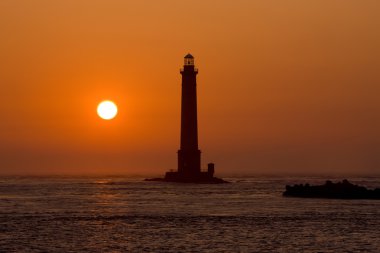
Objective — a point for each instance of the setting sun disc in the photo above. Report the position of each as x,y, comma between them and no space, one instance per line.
107,110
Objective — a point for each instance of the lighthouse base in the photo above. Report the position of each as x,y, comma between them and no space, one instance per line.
199,178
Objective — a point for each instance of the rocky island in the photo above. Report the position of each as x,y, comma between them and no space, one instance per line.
340,190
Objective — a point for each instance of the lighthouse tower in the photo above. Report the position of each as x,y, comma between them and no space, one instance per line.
189,156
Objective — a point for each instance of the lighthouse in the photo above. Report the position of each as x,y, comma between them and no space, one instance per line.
189,155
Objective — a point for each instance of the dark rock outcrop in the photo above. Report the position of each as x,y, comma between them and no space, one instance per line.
340,190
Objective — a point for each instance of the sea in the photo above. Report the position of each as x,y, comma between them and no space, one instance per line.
124,214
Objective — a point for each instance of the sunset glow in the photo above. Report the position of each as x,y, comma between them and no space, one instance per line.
283,86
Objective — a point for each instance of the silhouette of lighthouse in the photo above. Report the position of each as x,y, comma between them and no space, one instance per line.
189,156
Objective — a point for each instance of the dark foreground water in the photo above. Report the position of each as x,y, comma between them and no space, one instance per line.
60,214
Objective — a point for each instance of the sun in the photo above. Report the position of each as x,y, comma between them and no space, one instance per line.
107,110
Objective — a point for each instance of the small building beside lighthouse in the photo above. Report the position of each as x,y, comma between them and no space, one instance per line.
189,155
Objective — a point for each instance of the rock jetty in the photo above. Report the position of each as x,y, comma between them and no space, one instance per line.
340,190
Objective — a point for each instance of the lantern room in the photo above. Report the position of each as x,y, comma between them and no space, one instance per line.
189,60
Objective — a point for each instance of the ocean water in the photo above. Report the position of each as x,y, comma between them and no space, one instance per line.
116,214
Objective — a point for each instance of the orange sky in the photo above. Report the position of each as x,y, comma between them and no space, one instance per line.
283,86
